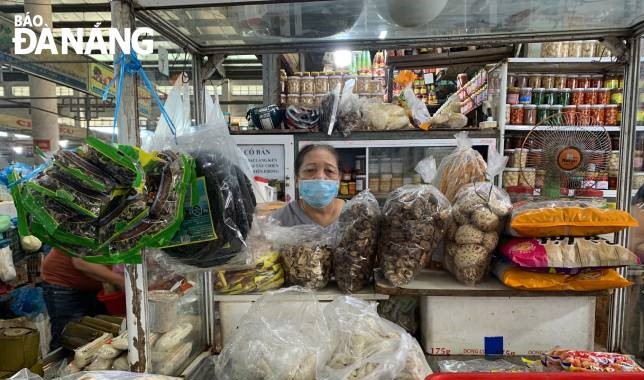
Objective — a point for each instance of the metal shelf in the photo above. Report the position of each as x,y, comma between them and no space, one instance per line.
587,64
593,128
562,60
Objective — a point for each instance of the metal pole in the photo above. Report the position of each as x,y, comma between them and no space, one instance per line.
270,78
135,275
198,88
626,148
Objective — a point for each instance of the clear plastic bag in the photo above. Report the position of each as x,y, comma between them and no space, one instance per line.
478,217
177,105
114,375
401,310
329,110
414,222
418,109
349,117
366,346
357,238
25,374
384,116
7,269
464,165
27,302
280,338
306,254
480,365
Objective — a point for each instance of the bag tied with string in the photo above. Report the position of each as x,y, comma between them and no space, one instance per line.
464,165
477,219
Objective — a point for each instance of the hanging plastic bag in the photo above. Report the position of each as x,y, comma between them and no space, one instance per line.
329,110
27,302
7,269
414,106
464,165
477,219
355,253
306,253
279,338
25,374
349,117
177,105
366,346
414,221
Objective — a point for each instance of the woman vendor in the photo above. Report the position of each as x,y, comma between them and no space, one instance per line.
317,175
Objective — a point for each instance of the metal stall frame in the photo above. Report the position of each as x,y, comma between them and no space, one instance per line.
124,10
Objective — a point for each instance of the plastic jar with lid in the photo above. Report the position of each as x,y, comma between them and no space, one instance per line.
575,49
522,80
552,49
293,85
512,80
361,182
610,114
564,96
560,80
538,96
293,100
363,83
549,96
588,48
611,81
510,177
593,196
529,114
516,114
571,81
385,183
569,114
583,81
597,81
555,114
548,81
334,81
577,96
513,95
603,96
534,80
525,95
527,177
617,96
306,85
542,112
583,114
321,83
597,114
520,193
307,100
318,99
376,87
590,96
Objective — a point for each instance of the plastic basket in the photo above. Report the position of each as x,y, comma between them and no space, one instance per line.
537,376
114,302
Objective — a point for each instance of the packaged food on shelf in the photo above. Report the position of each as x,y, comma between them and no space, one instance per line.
571,81
511,177
552,50
617,96
306,85
464,165
588,48
266,274
529,114
549,96
527,177
538,96
603,96
577,96
293,85
554,113
355,253
548,81
585,361
590,96
307,100
584,115
575,49
525,95
517,278
564,97
163,310
519,193
334,81
512,80
520,158
513,95
473,231
561,255
584,81
321,83
542,112
522,80
570,114
566,218
597,81
534,80
516,114
610,114
611,81
414,220
597,114
560,81
293,99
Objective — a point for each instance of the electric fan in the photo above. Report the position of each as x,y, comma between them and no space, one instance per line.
563,154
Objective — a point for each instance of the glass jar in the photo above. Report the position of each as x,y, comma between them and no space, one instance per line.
306,85
374,166
611,81
577,96
307,100
321,83
597,81
374,183
525,95
376,87
529,114
361,182
583,81
583,114
603,96
519,193
538,96
548,81
597,114
318,99
588,48
569,114
590,96
520,158
513,95
510,177
293,100
552,49
534,80
560,80
571,81
522,80
555,115
617,96
565,46
542,112
610,114
363,83
564,96
334,81
549,96
512,80
385,183
293,85
575,49
516,114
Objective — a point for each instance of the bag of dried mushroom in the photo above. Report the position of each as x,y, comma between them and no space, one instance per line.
306,253
414,219
357,237
477,219
464,165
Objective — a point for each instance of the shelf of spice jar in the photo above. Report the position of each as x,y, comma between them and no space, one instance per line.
594,128
562,60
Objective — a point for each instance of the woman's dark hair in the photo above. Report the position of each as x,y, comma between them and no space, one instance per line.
299,160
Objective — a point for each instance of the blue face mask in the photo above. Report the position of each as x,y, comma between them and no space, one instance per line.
318,193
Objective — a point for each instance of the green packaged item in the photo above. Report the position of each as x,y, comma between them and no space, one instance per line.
538,96
121,166
86,202
5,223
87,175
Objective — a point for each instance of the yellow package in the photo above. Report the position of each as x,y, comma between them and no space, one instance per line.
565,218
602,279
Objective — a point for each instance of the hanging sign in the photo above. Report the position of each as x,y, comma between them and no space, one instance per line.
266,160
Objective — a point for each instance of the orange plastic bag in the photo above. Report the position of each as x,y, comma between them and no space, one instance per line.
567,218
589,281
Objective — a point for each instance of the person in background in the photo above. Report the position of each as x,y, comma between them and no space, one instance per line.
317,175
70,286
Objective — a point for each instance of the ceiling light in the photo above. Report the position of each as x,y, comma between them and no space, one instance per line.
21,137
3,134
18,149
382,35
342,58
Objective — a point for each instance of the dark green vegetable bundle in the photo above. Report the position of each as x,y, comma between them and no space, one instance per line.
104,202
